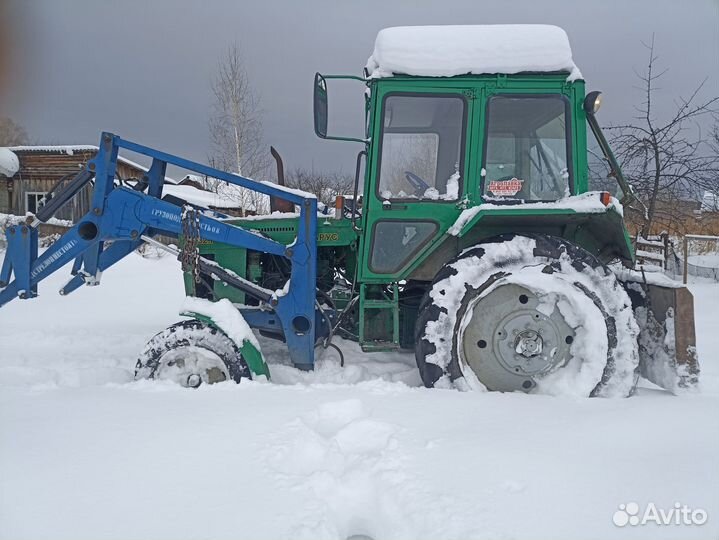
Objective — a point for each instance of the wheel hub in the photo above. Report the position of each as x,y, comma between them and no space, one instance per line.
507,341
528,343
192,366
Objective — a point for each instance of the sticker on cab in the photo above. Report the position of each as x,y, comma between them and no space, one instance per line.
505,188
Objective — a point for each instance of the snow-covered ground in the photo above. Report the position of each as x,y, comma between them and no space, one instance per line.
85,453
710,260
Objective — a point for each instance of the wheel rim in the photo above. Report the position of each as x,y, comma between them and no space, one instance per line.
191,366
509,338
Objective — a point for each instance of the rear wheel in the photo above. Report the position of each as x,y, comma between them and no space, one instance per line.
192,353
521,313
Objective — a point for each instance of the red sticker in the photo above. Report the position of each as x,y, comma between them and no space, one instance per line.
503,188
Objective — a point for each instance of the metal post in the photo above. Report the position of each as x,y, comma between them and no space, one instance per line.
686,259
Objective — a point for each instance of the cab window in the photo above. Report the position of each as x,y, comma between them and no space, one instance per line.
422,146
526,148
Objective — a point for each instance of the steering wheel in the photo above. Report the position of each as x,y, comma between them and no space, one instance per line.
419,185
351,205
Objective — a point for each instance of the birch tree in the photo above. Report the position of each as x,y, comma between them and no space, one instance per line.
236,130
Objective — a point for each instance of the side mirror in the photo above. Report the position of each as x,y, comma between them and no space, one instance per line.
320,106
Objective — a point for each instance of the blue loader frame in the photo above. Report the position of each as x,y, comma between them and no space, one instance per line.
123,216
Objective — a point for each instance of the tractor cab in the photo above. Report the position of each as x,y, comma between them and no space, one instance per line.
471,132
506,124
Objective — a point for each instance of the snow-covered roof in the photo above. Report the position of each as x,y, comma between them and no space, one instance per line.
446,51
199,197
70,150
192,178
9,164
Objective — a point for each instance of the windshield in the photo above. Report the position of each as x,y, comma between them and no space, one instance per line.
422,139
526,148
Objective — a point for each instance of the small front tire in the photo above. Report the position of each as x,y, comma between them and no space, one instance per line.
192,353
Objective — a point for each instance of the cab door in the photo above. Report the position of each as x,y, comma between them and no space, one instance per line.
418,176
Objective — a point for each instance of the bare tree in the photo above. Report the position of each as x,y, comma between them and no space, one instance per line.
667,162
12,133
324,185
236,130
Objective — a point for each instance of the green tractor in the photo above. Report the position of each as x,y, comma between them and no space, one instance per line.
479,234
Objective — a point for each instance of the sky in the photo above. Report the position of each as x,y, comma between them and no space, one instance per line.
70,69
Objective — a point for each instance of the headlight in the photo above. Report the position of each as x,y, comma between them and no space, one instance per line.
592,102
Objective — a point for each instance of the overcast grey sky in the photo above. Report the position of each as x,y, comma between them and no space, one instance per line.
142,68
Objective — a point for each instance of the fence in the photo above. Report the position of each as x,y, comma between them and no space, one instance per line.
679,266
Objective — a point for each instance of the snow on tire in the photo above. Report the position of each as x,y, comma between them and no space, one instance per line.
192,353
530,313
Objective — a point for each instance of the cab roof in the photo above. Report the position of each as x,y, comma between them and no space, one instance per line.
446,51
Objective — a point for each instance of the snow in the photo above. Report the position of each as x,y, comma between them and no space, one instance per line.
272,215
431,193
645,242
588,203
226,316
198,197
446,51
708,259
590,347
652,255
9,163
653,275
294,191
87,453
70,150
8,219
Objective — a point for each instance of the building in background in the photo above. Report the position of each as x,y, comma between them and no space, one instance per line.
28,173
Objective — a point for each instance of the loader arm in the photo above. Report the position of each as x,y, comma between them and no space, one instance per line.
120,217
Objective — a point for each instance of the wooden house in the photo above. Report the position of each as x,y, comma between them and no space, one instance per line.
28,173
40,168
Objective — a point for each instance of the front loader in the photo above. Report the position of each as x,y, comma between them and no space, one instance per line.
479,235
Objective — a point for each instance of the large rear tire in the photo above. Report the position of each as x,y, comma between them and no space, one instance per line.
192,353
528,313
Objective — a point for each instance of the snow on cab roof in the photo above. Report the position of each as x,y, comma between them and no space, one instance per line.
446,51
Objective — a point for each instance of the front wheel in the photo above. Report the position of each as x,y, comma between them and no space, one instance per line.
531,314
192,353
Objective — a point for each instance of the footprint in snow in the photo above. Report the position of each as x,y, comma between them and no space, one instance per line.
358,475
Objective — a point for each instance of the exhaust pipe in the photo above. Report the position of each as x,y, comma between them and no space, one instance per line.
280,205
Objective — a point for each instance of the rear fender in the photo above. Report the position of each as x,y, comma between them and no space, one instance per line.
667,337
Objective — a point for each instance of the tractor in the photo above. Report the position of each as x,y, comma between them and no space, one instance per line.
479,235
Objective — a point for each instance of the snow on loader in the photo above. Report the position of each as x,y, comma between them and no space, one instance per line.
476,242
